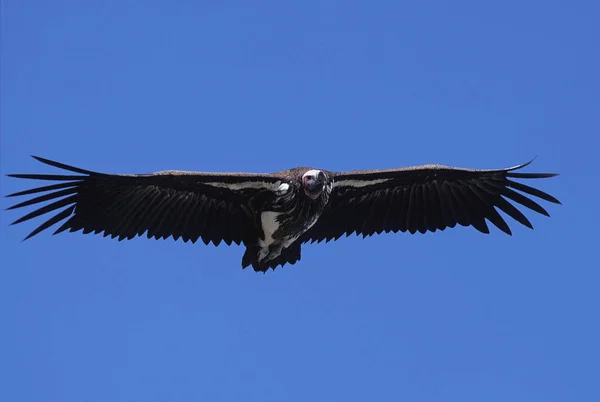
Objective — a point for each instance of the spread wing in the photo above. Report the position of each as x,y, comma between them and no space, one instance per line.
187,205
426,198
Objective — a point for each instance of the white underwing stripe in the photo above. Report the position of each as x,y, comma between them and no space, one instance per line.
359,183
245,185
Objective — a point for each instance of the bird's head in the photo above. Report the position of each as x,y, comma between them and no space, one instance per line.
313,183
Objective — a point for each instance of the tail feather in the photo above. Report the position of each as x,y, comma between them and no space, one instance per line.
289,255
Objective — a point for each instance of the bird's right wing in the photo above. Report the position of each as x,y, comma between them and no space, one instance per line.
190,205
425,198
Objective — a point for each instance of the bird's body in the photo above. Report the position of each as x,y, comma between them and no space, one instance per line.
273,214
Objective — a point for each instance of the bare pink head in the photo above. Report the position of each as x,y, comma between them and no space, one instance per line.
313,183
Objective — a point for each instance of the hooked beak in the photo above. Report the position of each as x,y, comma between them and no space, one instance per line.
314,185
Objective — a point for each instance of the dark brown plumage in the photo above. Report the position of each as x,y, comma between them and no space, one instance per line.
273,214
427,198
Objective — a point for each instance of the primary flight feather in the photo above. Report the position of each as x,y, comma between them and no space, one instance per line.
274,214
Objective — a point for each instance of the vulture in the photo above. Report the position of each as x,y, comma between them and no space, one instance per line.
273,214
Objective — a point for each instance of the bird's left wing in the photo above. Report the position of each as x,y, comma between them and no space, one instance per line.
190,205
425,198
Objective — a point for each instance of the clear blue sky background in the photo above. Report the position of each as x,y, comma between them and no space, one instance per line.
140,86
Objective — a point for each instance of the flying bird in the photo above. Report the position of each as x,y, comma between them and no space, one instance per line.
273,214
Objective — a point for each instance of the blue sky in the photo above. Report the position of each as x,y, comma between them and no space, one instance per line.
135,87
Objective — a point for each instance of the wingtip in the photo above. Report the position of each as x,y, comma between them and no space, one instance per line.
42,160
522,165
60,165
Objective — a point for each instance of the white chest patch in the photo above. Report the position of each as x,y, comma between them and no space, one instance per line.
268,220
